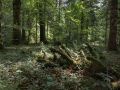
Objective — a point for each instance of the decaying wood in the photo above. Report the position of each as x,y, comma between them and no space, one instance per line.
96,61
92,51
96,65
66,50
63,54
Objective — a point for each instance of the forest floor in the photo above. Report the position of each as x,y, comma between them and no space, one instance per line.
113,59
19,70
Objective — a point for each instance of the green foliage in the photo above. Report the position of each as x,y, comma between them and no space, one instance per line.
73,23
78,20
24,72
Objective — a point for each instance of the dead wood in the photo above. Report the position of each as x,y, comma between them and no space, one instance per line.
63,54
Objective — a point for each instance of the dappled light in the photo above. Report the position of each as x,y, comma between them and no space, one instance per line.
59,45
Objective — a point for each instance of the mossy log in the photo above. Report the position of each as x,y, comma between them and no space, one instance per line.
96,66
91,50
66,50
63,54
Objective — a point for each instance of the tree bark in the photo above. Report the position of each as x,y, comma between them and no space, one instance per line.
42,31
29,24
0,15
23,28
106,26
36,34
1,41
112,43
42,22
16,22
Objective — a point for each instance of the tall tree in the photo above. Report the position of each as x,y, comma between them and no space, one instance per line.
42,10
29,25
36,34
16,22
0,14
23,36
1,42
112,43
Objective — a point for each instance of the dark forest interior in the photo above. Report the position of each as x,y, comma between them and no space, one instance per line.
59,44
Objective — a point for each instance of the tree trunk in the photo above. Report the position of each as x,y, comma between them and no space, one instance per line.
16,22
42,31
0,15
1,41
36,34
42,23
112,43
29,24
23,28
106,26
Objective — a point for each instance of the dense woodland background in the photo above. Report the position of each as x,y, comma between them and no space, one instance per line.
68,21
60,44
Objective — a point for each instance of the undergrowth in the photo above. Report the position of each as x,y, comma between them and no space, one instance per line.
20,70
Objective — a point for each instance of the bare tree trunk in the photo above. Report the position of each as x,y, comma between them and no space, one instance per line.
42,31
29,24
87,26
36,36
0,15
16,22
47,29
23,28
1,41
106,26
112,43
42,22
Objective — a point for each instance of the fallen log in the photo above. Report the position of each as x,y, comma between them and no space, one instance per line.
96,61
98,67
66,50
91,51
63,54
